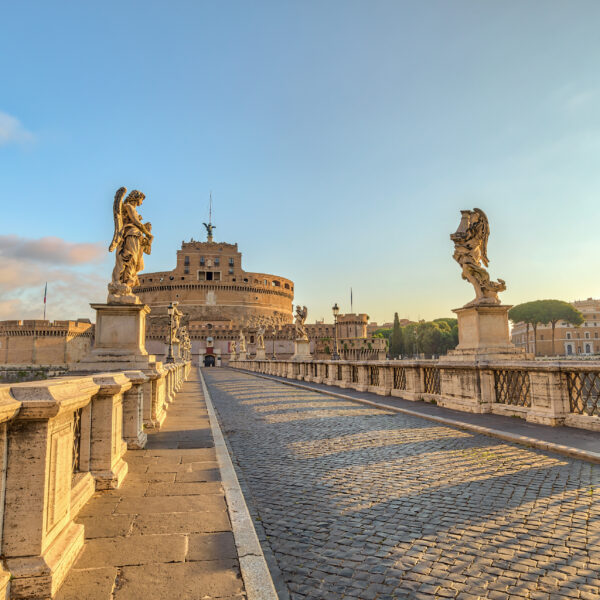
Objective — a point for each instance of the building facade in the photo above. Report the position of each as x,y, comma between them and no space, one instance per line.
568,339
217,296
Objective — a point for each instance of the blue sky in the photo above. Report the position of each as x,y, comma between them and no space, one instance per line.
340,139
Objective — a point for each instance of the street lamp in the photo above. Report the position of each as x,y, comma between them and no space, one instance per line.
336,310
274,334
171,312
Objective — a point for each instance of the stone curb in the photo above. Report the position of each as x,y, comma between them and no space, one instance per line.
255,573
497,433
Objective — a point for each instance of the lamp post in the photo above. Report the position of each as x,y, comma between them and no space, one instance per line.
171,312
336,310
274,333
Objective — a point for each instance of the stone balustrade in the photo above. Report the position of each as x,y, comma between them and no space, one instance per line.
61,440
549,392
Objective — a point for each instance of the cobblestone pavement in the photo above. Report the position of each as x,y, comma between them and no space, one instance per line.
364,503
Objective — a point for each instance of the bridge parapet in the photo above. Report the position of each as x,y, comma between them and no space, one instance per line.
61,440
549,393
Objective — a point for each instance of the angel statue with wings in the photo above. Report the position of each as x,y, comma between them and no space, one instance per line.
260,335
242,342
470,252
301,314
131,240
209,231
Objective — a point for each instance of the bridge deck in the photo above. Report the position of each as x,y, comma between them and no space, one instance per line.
360,502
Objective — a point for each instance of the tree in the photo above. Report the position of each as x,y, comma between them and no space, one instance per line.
544,311
396,339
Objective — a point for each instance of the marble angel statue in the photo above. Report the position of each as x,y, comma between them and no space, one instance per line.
131,240
300,329
470,252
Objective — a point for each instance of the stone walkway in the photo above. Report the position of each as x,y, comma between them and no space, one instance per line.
166,533
359,502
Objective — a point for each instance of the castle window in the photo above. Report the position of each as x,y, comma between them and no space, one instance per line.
265,281
587,335
231,262
568,336
245,279
186,260
231,271
217,261
202,261
186,270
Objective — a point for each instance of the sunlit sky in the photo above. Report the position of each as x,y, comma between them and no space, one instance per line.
340,140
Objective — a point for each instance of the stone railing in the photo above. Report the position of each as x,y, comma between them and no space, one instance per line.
550,393
61,440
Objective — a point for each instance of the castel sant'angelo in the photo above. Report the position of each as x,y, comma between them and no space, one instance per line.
215,294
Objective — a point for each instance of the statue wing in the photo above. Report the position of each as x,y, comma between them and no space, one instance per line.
118,218
485,234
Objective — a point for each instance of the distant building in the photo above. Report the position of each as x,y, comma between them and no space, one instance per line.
217,298
568,340
39,342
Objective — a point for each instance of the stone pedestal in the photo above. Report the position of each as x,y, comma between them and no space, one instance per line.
242,355
483,335
260,354
301,350
120,338
177,351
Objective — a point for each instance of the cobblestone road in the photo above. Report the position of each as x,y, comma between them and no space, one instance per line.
361,503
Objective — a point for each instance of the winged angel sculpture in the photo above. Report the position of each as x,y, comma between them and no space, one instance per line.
470,252
131,240
301,314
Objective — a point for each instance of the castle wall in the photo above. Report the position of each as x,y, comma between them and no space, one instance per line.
44,342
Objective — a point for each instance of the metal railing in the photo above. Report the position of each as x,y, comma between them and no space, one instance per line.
399,378
584,392
512,387
431,377
374,375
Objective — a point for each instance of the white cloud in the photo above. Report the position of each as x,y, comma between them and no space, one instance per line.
71,270
12,131
52,250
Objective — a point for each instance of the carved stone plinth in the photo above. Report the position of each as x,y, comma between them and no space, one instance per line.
242,355
301,350
483,335
260,354
120,338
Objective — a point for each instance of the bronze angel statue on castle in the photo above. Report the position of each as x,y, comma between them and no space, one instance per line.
470,252
131,240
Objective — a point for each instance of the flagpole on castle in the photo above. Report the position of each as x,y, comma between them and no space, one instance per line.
45,294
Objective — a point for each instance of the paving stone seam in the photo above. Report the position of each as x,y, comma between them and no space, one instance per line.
523,440
255,572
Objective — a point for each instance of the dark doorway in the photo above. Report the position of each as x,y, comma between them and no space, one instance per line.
209,360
